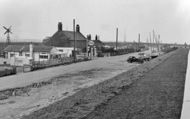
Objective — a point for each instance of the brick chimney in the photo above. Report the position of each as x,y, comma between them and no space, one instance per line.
96,37
59,26
89,37
77,28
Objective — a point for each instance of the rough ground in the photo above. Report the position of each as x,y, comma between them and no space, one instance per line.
26,92
158,95
128,94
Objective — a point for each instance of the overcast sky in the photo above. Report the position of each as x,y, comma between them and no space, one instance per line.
36,19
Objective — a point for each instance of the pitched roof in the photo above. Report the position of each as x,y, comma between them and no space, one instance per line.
13,48
79,36
68,35
25,48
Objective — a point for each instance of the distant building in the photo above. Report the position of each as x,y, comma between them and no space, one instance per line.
62,51
3,45
64,38
24,54
98,43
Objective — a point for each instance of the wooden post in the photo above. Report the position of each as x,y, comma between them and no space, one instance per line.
74,35
139,38
116,38
153,38
150,42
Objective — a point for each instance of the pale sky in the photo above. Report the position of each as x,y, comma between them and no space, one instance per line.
35,19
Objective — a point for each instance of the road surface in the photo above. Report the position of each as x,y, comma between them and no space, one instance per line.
64,81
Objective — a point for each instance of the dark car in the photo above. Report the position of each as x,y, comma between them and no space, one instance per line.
132,59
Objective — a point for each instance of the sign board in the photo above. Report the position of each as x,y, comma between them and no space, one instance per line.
90,43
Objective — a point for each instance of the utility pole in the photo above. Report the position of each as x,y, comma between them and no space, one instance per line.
74,35
150,42
139,40
158,42
116,38
153,38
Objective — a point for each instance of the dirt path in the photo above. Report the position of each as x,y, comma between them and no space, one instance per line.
117,63
34,90
158,95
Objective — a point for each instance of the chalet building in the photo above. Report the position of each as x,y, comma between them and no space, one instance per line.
20,55
64,38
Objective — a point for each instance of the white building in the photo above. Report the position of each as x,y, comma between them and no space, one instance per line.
20,55
62,51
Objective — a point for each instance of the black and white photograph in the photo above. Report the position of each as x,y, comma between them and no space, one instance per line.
94,59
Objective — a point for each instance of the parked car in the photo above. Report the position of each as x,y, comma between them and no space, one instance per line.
132,59
154,55
145,57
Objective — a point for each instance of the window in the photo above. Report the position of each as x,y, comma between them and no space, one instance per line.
27,55
43,56
60,50
12,55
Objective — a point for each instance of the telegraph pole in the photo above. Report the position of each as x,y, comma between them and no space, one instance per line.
116,38
150,42
153,38
74,34
159,42
139,40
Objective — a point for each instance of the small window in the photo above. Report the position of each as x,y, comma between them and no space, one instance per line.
43,56
12,55
27,55
61,50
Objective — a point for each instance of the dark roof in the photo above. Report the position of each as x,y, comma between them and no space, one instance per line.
3,45
98,43
25,48
68,35
79,36
65,39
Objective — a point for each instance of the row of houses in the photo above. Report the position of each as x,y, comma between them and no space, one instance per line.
59,45
20,55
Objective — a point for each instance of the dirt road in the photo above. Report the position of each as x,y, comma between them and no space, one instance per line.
116,63
158,95
56,83
124,94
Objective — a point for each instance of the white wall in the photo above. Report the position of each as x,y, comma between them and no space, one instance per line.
64,51
20,60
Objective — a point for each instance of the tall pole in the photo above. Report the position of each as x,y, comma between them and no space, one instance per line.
159,42
139,40
8,38
116,38
74,35
156,41
153,38
150,42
